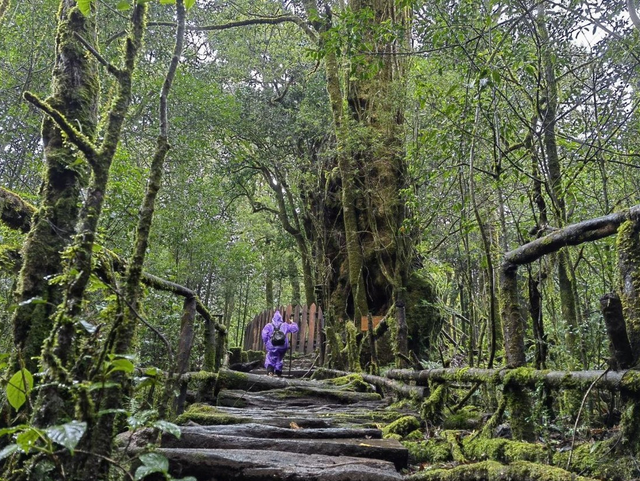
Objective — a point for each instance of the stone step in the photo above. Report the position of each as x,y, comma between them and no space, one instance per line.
384,449
259,465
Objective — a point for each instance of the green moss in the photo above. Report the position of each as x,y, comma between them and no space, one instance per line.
255,355
431,408
466,418
504,450
600,461
392,436
494,471
402,426
631,381
415,435
230,378
628,247
208,416
431,451
401,404
352,382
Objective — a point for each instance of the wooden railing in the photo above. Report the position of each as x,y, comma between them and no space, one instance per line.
306,340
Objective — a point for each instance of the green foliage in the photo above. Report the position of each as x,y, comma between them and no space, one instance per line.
29,438
156,463
18,388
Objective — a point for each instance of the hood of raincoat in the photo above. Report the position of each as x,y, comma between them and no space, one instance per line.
277,319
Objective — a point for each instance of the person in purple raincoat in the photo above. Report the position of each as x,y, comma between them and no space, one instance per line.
275,354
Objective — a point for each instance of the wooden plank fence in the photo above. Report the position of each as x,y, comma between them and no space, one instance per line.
309,319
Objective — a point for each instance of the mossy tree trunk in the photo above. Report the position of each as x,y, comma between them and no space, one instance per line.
75,91
369,251
628,245
621,353
124,330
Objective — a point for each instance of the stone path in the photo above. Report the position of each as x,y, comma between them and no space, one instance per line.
297,430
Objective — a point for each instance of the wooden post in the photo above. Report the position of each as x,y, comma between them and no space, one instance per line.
322,336
372,343
209,346
304,330
184,348
312,328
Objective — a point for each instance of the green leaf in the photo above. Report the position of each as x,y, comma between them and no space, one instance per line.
142,382
167,427
27,438
123,5
13,429
151,371
121,365
143,471
155,461
90,328
68,434
188,478
18,388
189,3
9,450
167,2
141,418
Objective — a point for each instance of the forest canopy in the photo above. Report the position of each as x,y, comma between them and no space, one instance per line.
180,159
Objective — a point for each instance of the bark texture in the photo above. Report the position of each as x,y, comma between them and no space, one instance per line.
75,90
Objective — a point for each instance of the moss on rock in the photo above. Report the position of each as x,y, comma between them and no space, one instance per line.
469,417
208,416
494,471
504,450
597,460
432,451
402,426
352,382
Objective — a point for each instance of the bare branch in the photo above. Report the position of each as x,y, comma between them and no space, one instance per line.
110,67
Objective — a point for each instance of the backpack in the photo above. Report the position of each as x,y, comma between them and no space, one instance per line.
278,337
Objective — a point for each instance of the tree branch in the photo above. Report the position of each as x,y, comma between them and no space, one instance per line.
633,13
80,140
110,67
574,234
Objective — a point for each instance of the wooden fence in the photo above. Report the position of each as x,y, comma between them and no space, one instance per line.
306,340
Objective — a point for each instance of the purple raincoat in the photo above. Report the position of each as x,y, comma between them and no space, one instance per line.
275,355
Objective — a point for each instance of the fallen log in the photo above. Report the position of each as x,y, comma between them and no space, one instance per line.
228,379
303,396
253,465
381,382
613,380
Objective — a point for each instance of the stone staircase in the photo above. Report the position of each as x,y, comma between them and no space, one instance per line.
285,429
